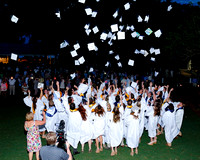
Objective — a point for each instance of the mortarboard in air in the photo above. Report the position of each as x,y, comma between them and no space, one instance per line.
119,64
110,42
109,34
142,51
87,26
96,49
14,19
111,52
95,29
81,1
140,19
40,85
136,51
117,57
120,35
156,74
77,63
91,46
169,8
58,14
127,6
121,27
153,59
134,34
107,64
132,28
128,28
114,27
73,75
88,11
157,51
148,31
74,53
94,14
141,37
82,88
64,44
146,19
152,50
131,62
158,33
120,19
133,84
81,60
145,53
91,69
116,13
76,46
13,56
88,31
103,36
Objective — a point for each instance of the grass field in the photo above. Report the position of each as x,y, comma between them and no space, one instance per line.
13,138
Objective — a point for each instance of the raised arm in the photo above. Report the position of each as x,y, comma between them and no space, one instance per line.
37,123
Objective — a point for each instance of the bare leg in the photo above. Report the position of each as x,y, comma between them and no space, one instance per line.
132,153
112,152
90,144
155,140
30,155
97,145
151,141
136,150
101,143
82,147
116,150
37,155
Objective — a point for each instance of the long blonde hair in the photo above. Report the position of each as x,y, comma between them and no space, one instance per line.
116,114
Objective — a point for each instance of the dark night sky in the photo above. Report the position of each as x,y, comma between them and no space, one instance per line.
38,19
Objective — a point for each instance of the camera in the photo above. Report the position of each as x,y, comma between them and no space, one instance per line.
61,139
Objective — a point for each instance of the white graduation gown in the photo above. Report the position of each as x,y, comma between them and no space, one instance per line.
115,131
133,132
51,119
171,129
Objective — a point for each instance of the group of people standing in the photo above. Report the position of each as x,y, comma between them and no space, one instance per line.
110,114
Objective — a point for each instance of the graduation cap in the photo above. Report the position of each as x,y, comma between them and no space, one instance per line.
140,19
120,35
58,14
14,19
131,62
127,6
76,46
117,57
73,75
88,11
103,36
40,85
107,64
88,31
95,29
91,46
64,44
169,8
77,63
156,74
158,33
116,13
114,27
81,1
153,59
94,14
74,53
152,50
148,31
146,19
91,69
157,51
81,60
13,56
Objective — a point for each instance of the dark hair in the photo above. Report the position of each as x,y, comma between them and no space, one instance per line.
157,106
99,110
132,96
34,103
117,98
82,111
51,103
72,106
129,102
70,99
116,115
170,108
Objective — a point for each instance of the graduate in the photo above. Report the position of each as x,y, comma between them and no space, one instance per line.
115,130
74,127
153,113
51,117
98,118
170,127
133,132
179,116
86,131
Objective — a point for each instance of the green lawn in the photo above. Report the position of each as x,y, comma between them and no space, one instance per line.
13,139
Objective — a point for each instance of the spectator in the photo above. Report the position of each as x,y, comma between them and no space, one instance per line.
12,85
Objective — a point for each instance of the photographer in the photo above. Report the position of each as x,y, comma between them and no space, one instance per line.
52,152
